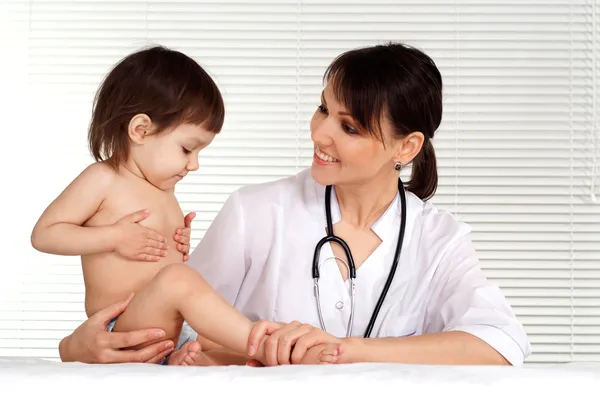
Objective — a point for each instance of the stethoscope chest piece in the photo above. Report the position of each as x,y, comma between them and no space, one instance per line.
352,296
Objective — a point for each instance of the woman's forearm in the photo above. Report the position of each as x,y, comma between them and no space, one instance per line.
447,348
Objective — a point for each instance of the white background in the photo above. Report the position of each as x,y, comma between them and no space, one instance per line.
518,147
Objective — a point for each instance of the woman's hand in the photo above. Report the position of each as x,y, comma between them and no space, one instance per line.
182,236
91,343
287,344
136,242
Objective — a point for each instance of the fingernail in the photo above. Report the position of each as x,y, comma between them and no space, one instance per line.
169,345
159,333
251,350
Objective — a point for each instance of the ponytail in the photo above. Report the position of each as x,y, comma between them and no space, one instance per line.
424,179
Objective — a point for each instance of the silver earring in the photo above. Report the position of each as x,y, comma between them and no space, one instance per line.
398,166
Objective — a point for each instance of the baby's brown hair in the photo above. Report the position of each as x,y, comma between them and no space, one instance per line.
168,86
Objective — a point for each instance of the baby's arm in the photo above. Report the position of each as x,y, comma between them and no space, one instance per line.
59,230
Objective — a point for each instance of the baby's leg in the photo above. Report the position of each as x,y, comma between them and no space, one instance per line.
179,293
151,307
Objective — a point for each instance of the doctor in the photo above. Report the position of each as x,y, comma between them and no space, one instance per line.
378,113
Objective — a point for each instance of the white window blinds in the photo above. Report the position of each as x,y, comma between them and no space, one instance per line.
518,147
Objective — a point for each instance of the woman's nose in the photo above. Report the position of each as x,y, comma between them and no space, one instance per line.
320,133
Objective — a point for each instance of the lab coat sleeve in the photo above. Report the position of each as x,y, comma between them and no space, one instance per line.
220,255
463,299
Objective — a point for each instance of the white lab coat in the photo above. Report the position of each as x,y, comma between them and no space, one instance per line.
258,255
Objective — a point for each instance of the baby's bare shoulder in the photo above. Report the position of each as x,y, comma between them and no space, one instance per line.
100,173
93,182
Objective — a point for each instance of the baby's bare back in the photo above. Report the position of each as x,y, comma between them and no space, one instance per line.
110,277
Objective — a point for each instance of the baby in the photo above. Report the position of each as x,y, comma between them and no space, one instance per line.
152,115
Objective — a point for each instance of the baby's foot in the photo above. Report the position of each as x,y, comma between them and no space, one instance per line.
323,354
187,355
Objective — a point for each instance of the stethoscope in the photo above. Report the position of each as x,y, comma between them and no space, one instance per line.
350,263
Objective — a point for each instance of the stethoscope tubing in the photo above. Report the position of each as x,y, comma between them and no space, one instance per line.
330,237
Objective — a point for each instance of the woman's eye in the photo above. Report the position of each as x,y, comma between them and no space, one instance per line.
349,129
323,109
186,151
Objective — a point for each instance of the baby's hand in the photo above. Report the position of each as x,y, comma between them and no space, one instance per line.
136,242
182,235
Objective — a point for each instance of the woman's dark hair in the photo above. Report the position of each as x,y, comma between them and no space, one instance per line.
168,86
402,83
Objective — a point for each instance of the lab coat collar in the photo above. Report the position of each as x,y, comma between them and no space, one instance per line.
384,227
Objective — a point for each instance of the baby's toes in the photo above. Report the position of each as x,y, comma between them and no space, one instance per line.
192,358
177,357
186,355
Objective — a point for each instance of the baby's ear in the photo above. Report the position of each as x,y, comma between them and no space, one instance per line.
139,128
